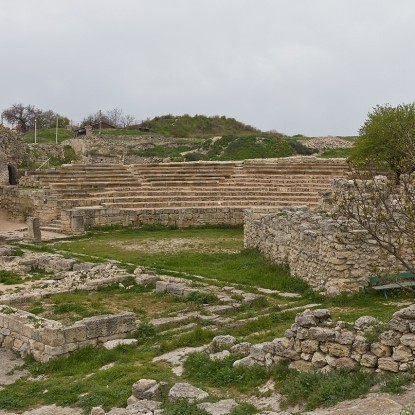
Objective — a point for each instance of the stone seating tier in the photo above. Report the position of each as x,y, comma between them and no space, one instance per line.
241,184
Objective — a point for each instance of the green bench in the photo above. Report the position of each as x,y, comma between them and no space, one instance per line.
399,280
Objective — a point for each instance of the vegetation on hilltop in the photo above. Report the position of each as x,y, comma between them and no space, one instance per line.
197,126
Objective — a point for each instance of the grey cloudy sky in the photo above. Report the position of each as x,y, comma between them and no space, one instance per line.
313,67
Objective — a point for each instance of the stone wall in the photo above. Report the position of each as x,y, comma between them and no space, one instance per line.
26,333
29,202
316,341
75,220
310,244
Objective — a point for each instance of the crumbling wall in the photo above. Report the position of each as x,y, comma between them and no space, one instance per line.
26,333
311,244
317,341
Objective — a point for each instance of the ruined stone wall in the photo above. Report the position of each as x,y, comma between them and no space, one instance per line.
26,333
309,243
21,203
316,341
75,220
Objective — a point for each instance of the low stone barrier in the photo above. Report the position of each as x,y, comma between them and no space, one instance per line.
316,341
75,220
26,333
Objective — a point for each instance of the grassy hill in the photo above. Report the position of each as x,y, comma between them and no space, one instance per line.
197,126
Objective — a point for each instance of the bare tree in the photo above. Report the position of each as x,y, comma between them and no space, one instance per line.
21,115
381,211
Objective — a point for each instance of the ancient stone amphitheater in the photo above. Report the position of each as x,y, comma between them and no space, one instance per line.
178,194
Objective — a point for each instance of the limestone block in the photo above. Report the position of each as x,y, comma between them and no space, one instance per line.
364,323
309,346
112,344
244,362
407,313
53,337
408,340
339,350
344,337
142,386
75,333
222,342
108,325
60,350
388,364
188,392
322,334
175,289
345,362
301,366
319,360
390,338
360,344
369,360
399,324
402,354
241,348
157,392
305,319
302,333
161,286
381,350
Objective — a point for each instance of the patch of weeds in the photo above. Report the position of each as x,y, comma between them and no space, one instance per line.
315,389
244,409
200,297
36,310
406,411
144,332
37,322
373,332
198,367
10,278
394,382
183,407
7,310
63,308
197,337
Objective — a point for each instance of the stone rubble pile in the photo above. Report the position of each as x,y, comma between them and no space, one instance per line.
148,395
324,143
316,341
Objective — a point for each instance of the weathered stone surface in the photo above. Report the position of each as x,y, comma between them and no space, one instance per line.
141,386
322,334
369,360
345,362
380,350
339,350
223,407
244,362
187,391
364,323
399,324
319,360
305,319
402,354
388,364
408,340
112,344
407,313
360,344
222,342
309,346
302,366
390,338
241,348
344,337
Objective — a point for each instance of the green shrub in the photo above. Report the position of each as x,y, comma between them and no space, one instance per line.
10,278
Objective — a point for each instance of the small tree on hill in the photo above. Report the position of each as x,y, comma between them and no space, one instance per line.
21,115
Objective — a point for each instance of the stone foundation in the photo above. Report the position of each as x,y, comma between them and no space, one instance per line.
26,333
75,220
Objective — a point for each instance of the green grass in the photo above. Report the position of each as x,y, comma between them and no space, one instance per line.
10,278
65,381
47,135
200,369
241,266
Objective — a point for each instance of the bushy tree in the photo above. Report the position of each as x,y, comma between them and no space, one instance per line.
21,115
387,140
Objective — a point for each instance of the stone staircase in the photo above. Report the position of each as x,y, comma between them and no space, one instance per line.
268,183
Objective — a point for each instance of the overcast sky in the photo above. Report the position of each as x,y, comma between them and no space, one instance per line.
313,67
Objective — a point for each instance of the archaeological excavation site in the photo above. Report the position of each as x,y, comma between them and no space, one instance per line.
139,285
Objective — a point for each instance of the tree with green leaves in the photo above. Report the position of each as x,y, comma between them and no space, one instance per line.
387,140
